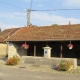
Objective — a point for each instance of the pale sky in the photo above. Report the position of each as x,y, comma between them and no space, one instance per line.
12,12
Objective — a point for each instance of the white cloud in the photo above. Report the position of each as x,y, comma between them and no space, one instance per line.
52,19
75,3
13,19
38,18
11,15
7,26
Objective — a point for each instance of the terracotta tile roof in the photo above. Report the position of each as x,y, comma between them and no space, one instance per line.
5,32
1,39
48,33
8,32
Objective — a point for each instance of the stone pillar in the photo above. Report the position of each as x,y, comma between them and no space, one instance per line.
47,51
10,50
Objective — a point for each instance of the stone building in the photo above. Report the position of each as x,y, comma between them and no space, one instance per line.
3,43
57,37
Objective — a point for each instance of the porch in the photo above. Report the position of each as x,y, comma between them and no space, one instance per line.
59,49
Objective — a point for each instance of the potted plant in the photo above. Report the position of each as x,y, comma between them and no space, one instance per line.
70,46
25,46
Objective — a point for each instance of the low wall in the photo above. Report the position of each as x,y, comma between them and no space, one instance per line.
46,61
3,50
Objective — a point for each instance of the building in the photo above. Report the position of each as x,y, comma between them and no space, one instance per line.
3,44
57,37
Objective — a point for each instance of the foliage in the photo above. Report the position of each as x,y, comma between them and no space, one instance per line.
70,45
64,65
13,61
35,26
54,25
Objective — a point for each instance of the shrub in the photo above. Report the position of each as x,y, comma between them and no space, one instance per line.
13,61
64,65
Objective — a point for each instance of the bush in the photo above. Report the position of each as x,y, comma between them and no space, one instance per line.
64,65
13,61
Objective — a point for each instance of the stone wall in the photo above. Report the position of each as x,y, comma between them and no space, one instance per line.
16,50
3,50
46,61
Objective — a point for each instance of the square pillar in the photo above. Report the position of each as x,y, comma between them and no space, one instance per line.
47,51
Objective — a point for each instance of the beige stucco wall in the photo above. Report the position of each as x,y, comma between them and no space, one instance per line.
3,50
16,50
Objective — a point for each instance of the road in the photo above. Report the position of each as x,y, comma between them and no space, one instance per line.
7,73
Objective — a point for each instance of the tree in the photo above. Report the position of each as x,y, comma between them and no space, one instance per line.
54,25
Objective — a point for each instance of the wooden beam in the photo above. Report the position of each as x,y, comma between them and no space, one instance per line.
34,50
61,48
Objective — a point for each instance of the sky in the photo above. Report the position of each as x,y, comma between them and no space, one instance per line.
13,12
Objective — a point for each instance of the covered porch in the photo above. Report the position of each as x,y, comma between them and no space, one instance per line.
59,49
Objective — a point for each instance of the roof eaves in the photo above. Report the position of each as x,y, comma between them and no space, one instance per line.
49,40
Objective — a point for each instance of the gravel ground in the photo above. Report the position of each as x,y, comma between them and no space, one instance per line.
43,68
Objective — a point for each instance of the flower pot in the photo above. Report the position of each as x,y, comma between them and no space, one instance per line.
26,47
71,47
